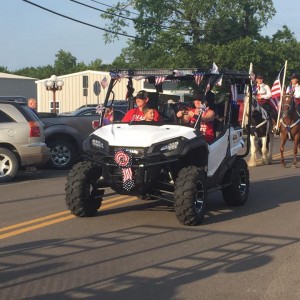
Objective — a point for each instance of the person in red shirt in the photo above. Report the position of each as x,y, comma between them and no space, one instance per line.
137,114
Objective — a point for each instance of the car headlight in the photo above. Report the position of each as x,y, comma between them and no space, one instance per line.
97,144
170,146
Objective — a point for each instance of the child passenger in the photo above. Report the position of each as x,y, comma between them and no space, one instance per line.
148,113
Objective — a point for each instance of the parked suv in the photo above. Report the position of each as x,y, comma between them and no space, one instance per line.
22,139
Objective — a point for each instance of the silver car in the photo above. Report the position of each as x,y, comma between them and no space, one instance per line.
22,139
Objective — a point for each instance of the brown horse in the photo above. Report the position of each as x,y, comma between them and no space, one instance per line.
289,126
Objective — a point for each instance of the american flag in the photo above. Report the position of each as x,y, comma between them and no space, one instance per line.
274,102
127,174
159,80
276,92
276,88
198,78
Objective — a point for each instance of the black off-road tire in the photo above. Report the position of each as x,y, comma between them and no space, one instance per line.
83,196
236,194
190,195
8,165
63,154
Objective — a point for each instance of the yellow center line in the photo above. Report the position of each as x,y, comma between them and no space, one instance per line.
53,215
58,220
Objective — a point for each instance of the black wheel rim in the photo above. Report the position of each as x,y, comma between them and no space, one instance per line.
60,155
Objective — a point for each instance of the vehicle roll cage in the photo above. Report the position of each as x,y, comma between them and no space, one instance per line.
181,75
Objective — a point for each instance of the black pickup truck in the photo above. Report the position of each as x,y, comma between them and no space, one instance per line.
65,133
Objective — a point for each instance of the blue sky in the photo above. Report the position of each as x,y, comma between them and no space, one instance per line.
30,37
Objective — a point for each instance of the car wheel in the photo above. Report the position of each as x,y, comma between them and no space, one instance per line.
62,154
83,189
236,193
190,195
8,165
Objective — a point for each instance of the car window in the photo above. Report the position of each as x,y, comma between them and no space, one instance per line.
89,113
28,113
5,118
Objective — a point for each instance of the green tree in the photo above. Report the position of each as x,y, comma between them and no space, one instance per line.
95,65
3,69
171,30
65,63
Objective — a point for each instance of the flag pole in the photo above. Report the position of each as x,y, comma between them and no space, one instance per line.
281,94
246,99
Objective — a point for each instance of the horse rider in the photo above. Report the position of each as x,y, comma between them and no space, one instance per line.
294,90
263,95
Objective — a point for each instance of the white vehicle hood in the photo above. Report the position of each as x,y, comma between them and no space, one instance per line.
141,135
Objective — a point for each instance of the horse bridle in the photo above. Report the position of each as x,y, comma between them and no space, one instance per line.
288,105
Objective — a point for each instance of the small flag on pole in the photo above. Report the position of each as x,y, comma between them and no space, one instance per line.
214,69
159,80
198,78
104,82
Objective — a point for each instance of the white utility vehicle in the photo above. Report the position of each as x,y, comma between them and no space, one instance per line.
166,159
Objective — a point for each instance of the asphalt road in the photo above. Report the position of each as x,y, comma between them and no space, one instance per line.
136,249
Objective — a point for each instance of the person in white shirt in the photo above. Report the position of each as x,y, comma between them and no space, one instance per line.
263,95
294,90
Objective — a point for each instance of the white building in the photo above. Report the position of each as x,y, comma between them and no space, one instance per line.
78,90
15,85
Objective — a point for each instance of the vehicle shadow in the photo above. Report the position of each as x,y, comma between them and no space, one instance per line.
264,195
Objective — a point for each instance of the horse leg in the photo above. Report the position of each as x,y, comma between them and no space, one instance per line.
264,150
252,162
270,152
282,143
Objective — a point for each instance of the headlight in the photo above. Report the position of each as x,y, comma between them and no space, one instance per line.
136,151
170,146
97,144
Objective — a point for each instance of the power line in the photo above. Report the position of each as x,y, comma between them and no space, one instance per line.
104,11
110,31
110,6
119,16
78,21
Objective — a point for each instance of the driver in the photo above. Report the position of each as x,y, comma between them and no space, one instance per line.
137,114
